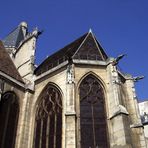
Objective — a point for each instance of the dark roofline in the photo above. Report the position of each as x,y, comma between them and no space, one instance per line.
16,37
101,48
60,51
7,66
10,32
68,53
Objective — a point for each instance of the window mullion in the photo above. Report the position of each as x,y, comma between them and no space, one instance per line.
93,124
41,133
55,129
47,131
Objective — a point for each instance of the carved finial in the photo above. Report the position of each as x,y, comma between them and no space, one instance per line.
70,74
36,32
90,30
23,24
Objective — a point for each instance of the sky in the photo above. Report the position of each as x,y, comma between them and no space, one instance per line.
121,26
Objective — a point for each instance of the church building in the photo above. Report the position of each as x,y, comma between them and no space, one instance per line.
76,98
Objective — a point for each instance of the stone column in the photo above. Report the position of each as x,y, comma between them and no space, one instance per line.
118,114
70,109
137,132
24,122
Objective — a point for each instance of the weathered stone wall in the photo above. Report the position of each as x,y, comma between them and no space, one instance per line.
143,107
136,126
58,79
10,87
24,58
121,106
120,114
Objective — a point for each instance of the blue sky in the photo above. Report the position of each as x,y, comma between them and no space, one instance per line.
120,25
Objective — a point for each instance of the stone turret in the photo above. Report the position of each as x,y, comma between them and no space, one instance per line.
21,45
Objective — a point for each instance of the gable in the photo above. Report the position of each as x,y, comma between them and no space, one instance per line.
90,50
85,48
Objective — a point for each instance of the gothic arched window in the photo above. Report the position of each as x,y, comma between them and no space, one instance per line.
93,125
48,119
9,111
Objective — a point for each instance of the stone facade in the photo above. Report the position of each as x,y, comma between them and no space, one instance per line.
123,122
143,107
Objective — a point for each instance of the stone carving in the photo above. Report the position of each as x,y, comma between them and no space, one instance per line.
144,117
70,74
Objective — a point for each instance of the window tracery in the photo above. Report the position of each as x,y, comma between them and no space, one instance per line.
9,111
92,114
48,127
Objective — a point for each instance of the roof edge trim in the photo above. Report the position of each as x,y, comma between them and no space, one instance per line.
9,78
81,44
97,45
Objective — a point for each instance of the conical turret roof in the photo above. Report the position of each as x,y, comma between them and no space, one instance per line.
14,38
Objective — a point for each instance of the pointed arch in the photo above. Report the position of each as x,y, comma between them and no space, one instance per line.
103,85
93,122
9,112
48,118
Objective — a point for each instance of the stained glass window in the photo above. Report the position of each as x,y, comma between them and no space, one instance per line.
9,111
93,123
48,120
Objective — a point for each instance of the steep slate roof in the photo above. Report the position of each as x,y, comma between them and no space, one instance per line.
85,48
14,38
6,64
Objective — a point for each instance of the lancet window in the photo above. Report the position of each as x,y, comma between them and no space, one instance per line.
48,119
93,125
9,111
